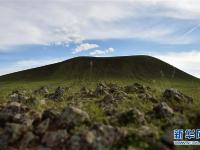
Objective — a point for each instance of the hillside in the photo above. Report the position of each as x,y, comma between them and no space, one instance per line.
83,68
114,105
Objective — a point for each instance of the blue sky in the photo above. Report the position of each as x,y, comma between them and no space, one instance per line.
38,33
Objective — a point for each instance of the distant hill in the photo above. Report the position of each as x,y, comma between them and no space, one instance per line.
83,68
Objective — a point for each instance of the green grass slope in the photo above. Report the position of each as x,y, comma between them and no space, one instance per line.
83,68
86,68
86,72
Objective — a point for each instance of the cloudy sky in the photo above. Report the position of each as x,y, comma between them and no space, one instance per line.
39,32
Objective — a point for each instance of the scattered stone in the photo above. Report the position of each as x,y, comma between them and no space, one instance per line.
76,142
51,114
97,138
85,92
146,132
167,139
194,119
120,95
15,112
107,103
108,99
18,96
135,88
42,91
4,139
42,147
5,117
60,91
42,127
148,96
26,140
173,94
34,115
155,144
42,102
144,93
22,119
55,139
163,110
89,137
72,116
105,136
24,128
14,131
15,107
112,98
101,89
178,121
57,95
113,88
131,116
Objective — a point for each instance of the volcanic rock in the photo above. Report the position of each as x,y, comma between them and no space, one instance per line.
163,110
55,139
173,94
131,116
72,116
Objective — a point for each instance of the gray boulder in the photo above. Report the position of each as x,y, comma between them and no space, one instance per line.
72,116
101,89
85,92
135,88
167,139
108,99
146,132
163,110
57,95
14,131
26,140
131,116
143,92
120,95
52,114
18,96
5,117
55,139
17,113
15,107
98,137
42,127
42,91
60,91
173,94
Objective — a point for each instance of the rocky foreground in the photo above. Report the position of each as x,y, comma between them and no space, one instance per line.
25,128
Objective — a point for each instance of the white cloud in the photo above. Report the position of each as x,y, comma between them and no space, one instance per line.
187,61
44,22
98,53
109,50
28,64
84,47
64,22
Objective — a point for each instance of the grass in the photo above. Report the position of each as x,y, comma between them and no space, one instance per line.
91,68
95,112
123,71
191,89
